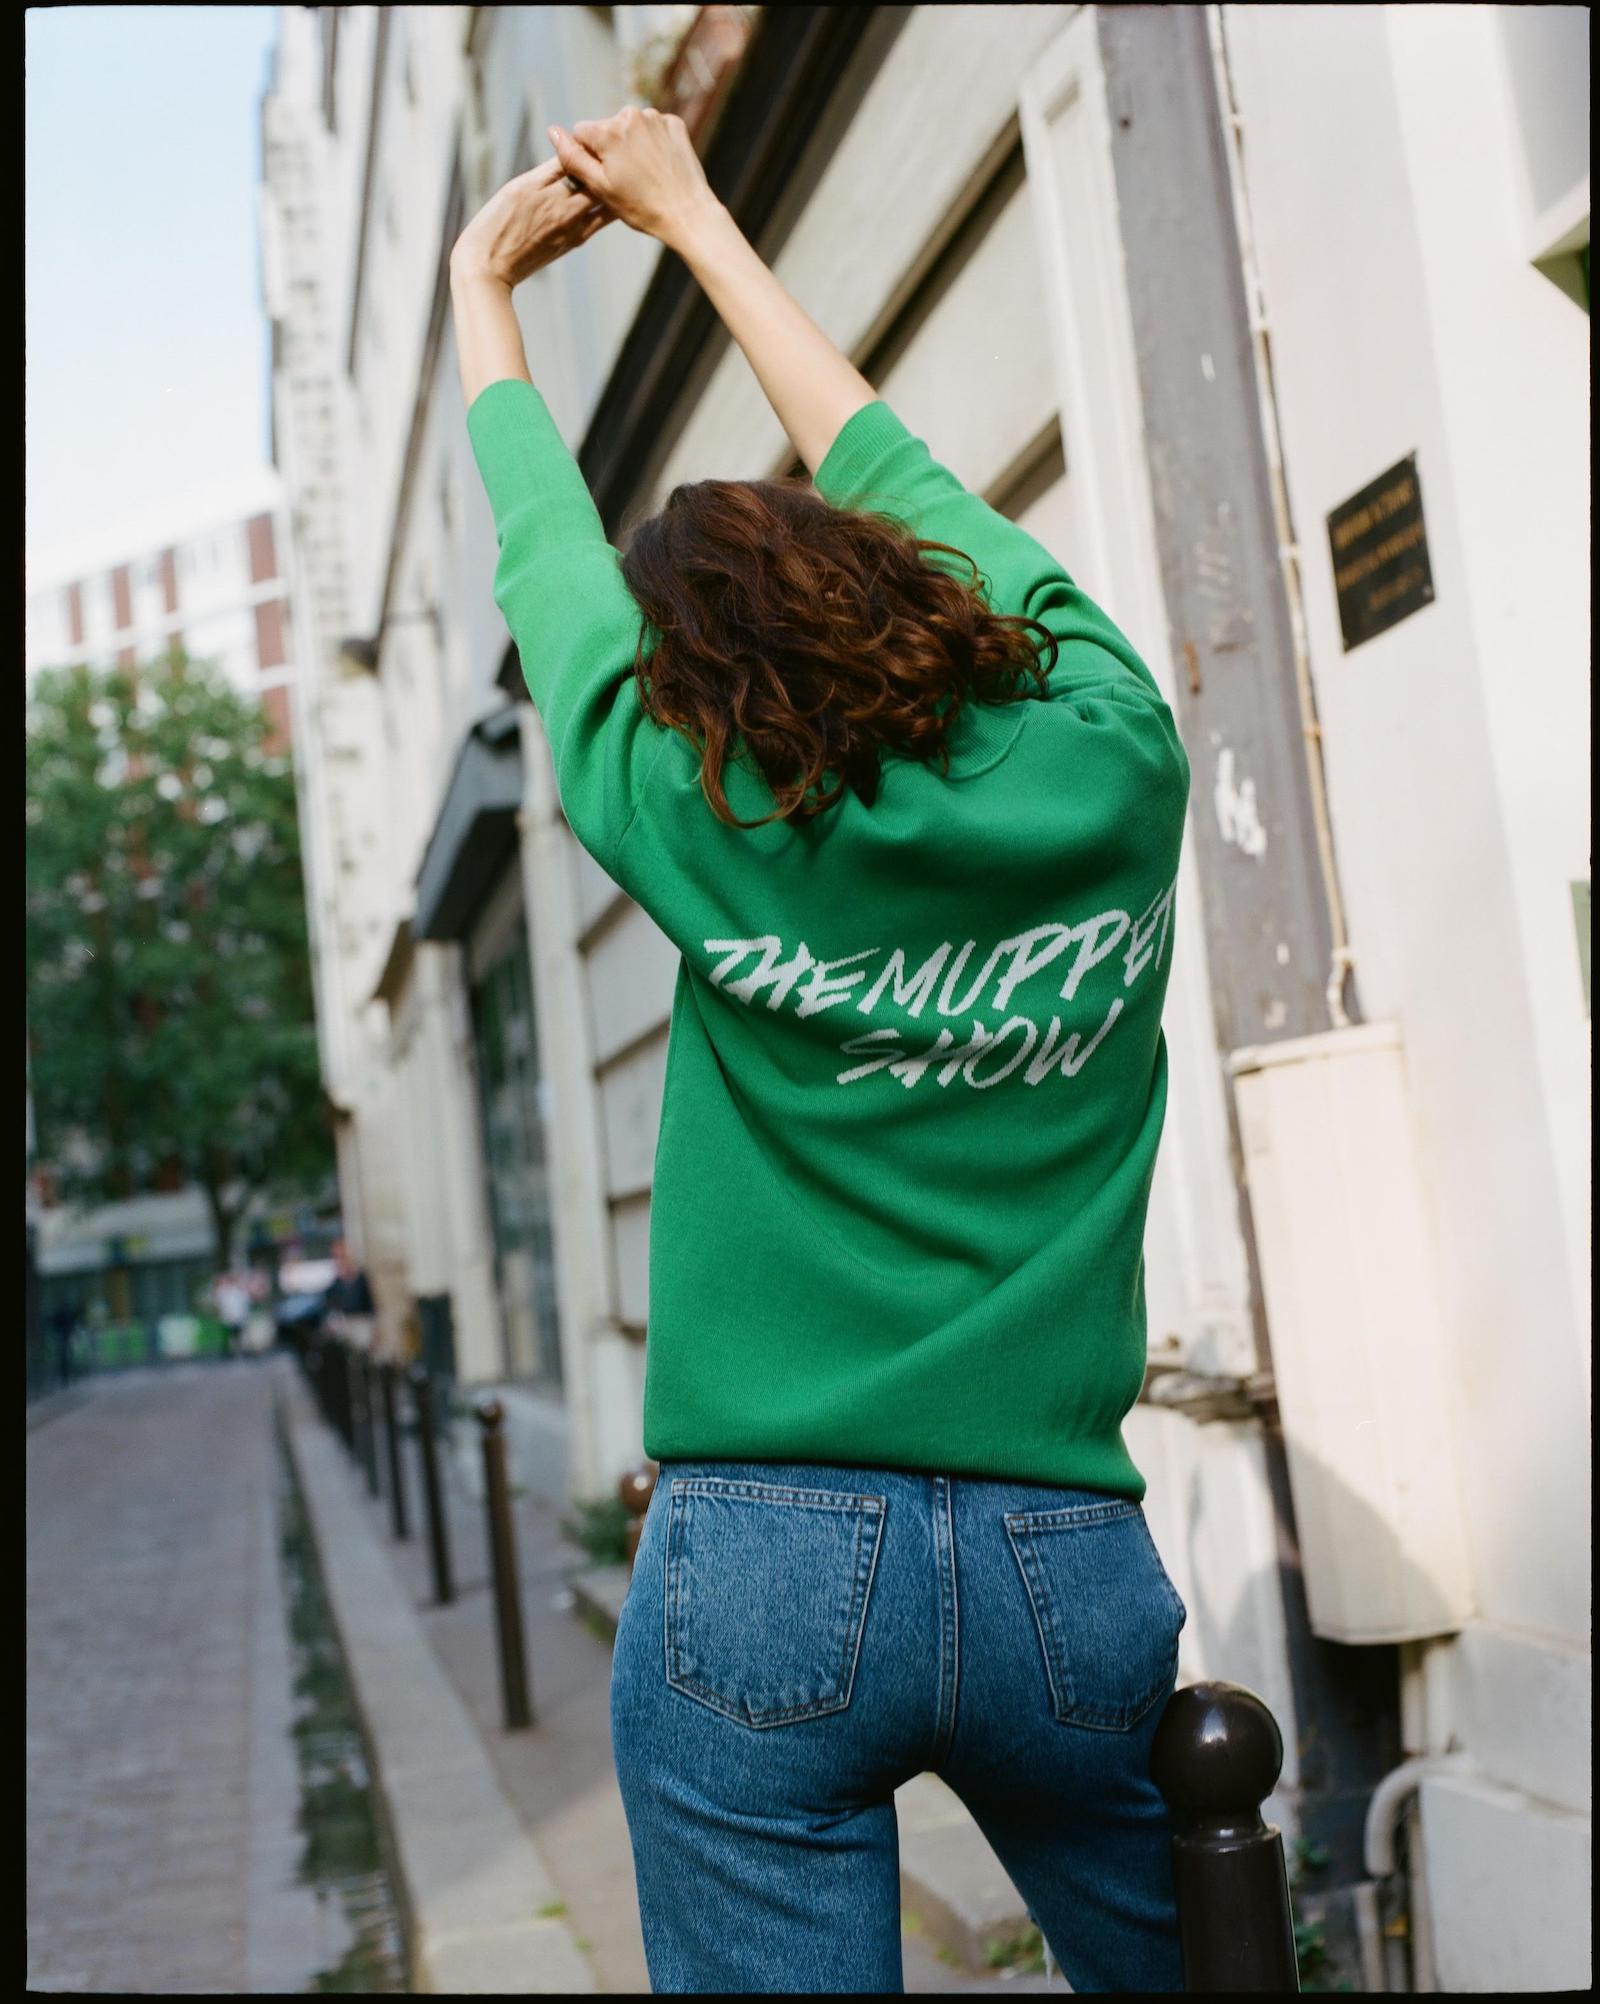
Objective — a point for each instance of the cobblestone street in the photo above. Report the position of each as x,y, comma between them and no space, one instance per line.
166,1844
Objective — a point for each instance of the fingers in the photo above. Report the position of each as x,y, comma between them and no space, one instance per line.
593,133
576,159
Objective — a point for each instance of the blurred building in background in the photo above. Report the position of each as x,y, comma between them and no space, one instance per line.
203,573
1273,323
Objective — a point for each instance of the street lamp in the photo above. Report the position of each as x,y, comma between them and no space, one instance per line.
359,651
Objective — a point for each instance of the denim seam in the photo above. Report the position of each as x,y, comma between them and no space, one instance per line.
1022,1552
858,1617
1161,1571
771,1492
949,1636
1069,1519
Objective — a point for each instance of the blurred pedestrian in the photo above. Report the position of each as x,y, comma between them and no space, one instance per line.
896,1317
231,1293
64,1321
350,1304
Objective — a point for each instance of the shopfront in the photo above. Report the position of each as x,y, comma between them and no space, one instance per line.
513,1096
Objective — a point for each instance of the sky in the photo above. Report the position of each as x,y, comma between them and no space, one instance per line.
146,343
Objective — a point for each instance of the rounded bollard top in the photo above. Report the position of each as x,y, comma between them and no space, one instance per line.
636,1488
490,1413
1217,1750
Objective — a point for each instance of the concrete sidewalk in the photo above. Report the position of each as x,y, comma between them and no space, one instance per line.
558,1777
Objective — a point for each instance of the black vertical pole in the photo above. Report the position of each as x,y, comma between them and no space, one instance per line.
341,1384
350,1390
334,1378
1216,1757
422,1392
367,1392
391,1428
503,1564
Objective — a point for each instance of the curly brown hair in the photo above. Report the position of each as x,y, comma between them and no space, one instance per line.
817,638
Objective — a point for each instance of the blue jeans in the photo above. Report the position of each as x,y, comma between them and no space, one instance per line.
800,1639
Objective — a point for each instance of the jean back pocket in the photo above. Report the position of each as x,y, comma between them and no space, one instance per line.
1107,1614
766,1595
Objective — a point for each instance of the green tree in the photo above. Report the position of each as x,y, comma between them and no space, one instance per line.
170,1013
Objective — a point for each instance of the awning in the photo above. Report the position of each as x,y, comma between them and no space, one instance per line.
476,830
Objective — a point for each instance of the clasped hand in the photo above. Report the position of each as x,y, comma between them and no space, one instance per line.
639,165
527,224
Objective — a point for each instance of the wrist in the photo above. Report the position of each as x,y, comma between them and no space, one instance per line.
695,229
471,268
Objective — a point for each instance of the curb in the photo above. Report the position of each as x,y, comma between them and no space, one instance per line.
469,1879
53,1405
949,1877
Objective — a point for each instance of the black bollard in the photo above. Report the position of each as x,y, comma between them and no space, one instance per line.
391,1428
1216,1757
366,1393
503,1566
333,1385
338,1362
432,1491
319,1362
350,1389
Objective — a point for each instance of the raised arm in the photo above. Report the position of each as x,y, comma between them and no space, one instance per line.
642,166
557,581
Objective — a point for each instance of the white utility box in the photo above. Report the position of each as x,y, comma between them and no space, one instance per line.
1358,1342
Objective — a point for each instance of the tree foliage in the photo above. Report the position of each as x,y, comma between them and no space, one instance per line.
171,1023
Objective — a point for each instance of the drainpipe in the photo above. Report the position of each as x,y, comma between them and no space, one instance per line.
1342,964
1396,1796
1424,1708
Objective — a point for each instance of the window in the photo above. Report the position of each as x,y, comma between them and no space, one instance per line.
1545,56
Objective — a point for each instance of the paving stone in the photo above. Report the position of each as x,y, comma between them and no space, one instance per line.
162,1784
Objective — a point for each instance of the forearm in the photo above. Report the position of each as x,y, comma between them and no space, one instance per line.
488,339
813,388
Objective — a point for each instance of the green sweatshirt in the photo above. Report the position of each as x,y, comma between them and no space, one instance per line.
916,1074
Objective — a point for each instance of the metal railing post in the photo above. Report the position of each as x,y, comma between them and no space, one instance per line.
422,1392
503,1567
333,1371
391,1428
341,1384
367,1421
1216,1757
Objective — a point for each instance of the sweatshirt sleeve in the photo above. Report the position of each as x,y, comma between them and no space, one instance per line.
560,586
876,465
